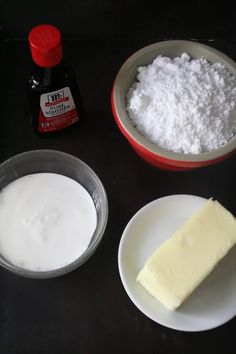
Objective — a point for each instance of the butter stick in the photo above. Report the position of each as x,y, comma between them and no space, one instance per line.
182,262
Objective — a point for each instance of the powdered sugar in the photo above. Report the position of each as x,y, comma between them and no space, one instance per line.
184,105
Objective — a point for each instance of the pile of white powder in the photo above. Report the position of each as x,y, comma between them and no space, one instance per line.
184,105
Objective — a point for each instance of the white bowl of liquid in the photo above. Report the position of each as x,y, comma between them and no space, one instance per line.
53,213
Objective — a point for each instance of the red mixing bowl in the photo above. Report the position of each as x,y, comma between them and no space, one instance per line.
147,150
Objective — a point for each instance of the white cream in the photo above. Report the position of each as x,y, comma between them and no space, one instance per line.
46,221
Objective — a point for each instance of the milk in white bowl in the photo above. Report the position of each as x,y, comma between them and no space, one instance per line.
47,221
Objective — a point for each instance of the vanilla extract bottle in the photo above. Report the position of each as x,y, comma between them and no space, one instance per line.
52,87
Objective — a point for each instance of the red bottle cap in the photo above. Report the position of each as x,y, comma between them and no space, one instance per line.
45,45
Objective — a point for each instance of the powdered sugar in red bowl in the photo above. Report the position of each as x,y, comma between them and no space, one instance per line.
197,90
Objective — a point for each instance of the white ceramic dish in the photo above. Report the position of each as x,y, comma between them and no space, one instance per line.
211,304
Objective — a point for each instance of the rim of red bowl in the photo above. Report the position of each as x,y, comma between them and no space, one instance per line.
153,151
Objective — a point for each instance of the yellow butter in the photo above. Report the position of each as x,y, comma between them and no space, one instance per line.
181,263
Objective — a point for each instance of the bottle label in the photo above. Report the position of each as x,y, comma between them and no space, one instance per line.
57,110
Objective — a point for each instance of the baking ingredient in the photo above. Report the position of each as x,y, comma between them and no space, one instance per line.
182,262
46,221
184,105
52,87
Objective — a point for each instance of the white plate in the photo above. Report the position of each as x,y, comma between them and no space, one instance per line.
211,304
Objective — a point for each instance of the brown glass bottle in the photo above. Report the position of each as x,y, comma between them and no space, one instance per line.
52,87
